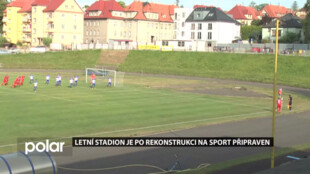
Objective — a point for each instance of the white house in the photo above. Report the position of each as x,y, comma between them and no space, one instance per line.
181,29
211,26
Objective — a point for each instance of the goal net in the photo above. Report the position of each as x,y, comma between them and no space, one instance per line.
103,75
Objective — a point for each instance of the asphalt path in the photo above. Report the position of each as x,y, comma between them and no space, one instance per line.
291,130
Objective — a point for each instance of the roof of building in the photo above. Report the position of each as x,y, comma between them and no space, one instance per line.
211,14
105,7
287,21
53,5
203,6
240,12
164,11
40,3
26,5
276,11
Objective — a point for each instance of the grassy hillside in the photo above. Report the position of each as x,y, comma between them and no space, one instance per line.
293,71
52,60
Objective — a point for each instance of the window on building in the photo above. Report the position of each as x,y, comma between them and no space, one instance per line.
199,35
115,33
86,33
193,26
34,9
63,15
97,23
183,14
62,37
74,37
63,26
129,34
87,41
66,6
115,24
274,33
34,40
175,16
183,33
165,43
34,20
209,44
74,27
199,26
209,35
183,24
72,6
193,35
209,26
181,43
90,32
34,31
75,17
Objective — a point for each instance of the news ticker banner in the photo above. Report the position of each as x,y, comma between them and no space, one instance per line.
173,142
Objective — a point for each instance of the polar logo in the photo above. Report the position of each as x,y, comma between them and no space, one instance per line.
44,146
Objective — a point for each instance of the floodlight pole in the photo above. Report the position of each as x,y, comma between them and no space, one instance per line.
275,96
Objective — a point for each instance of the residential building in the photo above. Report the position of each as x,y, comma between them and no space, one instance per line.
212,26
104,21
245,15
301,13
181,29
288,23
29,21
275,11
140,22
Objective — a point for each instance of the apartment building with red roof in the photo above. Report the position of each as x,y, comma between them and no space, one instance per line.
275,11
244,15
141,22
29,21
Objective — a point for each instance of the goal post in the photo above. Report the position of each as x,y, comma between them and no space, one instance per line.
103,75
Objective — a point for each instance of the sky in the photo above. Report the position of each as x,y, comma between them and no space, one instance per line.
224,4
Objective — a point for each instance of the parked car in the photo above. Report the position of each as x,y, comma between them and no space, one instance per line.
256,49
38,49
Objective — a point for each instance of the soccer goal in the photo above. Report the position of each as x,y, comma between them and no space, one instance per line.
103,75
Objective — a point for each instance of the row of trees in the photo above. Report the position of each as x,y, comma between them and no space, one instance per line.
259,7
306,22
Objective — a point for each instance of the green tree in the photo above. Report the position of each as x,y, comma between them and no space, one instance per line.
306,28
307,6
86,7
252,4
3,4
256,22
122,3
251,31
47,41
260,6
2,41
290,38
295,6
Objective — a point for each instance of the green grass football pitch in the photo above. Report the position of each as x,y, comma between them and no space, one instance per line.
117,111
